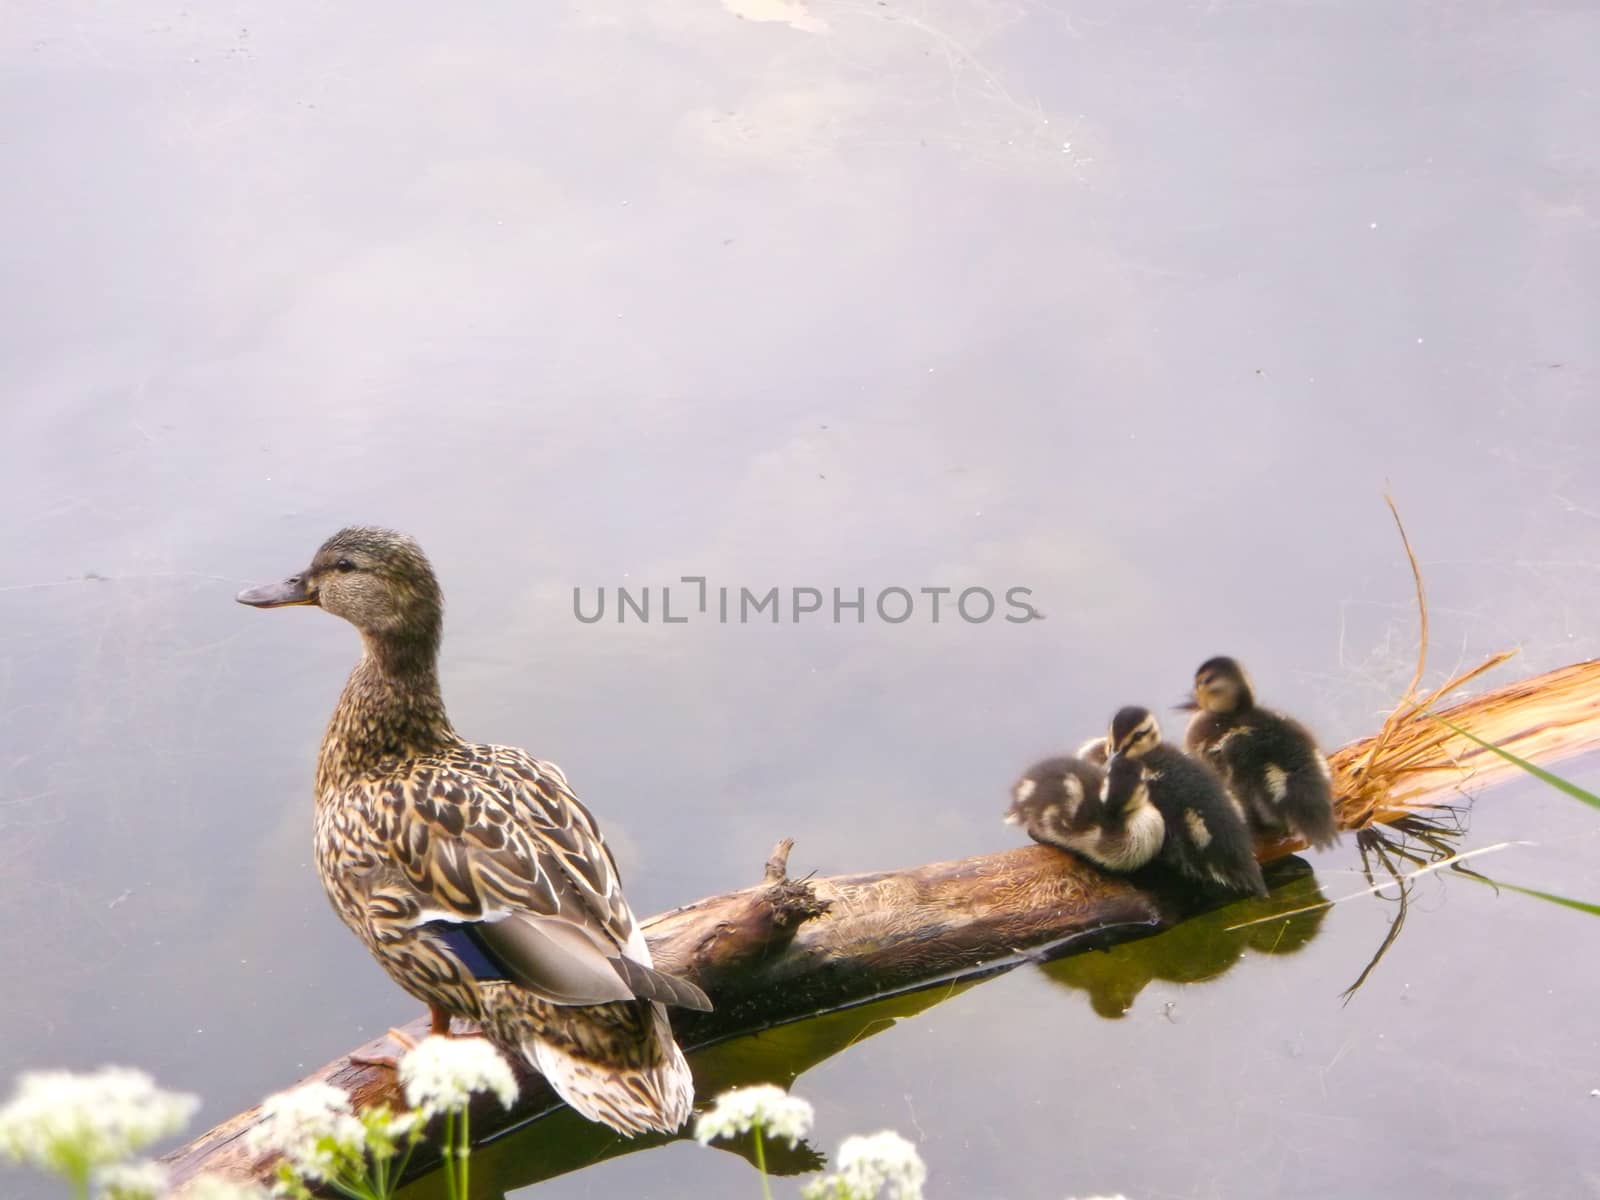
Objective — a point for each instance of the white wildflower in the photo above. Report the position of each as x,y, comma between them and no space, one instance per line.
313,1128
131,1181
216,1187
740,1110
441,1074
882,1164
72,1124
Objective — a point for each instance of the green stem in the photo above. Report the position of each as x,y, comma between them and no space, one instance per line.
380,1176
352,1190
465,1150
761,1163
449,1155
405,1159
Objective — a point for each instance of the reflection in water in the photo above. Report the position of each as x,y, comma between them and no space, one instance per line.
563,1141
1397,850
1203,947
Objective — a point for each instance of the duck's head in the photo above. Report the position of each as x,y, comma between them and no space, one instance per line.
1125,785
377,579
1220,686
1134,732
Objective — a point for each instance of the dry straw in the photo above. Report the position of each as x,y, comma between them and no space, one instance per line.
1413,759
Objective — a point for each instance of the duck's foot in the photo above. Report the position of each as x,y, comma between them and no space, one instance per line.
441,1026
389,1061
438,1026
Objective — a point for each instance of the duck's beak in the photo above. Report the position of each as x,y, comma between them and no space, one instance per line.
292,590
1188,704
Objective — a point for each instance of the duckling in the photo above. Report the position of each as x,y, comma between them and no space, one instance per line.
1269,761
1206,836
1059,802
471,872
1094,752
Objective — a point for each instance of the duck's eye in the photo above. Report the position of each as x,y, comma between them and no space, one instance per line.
344,564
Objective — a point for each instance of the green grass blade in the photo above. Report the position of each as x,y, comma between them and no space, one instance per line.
1565,901
1555,781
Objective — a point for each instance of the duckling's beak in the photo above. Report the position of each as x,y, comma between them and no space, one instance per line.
292,590
1187,704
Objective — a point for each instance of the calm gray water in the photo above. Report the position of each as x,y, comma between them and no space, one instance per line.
1139,306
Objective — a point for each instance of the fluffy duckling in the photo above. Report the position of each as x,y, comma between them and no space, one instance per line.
1095,752
1060,803
1206,836
1269,761
471,872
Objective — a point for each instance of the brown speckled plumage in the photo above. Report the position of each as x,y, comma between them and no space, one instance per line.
471,872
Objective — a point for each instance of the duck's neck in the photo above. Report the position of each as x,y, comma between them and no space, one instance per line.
390,709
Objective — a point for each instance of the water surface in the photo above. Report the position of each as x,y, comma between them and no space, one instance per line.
1138,306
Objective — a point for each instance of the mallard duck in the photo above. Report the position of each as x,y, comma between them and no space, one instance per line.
1269,761
472,873
1206,836
1059,802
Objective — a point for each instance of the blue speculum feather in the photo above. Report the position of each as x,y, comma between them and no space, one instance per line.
465,946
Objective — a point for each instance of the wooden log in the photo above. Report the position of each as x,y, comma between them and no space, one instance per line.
786,949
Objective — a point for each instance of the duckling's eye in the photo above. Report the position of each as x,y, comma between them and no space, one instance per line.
344,564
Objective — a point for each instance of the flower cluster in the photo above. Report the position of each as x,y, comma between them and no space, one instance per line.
322,1139
86,1127
132,1181
883,1164
75,1124
770,1109
314,1128
441,1074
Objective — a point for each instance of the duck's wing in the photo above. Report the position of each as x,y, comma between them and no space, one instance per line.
509,870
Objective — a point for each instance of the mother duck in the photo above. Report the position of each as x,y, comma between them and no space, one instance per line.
471,872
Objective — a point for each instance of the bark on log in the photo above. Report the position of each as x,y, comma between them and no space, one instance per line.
786,949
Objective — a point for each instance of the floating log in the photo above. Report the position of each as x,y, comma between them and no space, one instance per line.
788,949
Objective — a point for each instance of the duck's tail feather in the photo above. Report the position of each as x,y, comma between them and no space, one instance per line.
653,1093
650,984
